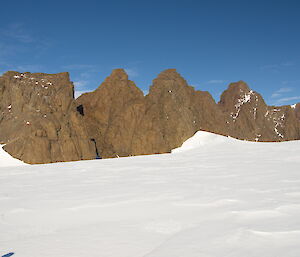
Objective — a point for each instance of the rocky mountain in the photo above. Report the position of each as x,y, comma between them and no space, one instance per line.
173,112
112,113
40,121
124,122
248,117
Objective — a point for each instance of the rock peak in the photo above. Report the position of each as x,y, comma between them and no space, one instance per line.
239,85
171,70
169,74
167,81
119,74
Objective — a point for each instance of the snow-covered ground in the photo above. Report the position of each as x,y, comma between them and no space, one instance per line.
214,197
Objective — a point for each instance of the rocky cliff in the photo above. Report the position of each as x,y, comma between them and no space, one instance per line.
173,112
297,111
248,117
40,121
112,113
124,122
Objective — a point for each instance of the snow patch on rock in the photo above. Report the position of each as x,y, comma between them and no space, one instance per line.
246,98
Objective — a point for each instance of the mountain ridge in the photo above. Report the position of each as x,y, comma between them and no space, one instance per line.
117,119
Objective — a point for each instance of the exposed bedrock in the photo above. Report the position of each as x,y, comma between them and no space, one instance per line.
38,119
41,122
124,122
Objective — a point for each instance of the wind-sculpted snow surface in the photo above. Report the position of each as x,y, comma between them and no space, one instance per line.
216,196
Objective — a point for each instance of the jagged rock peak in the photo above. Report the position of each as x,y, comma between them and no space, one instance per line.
118,80
168,81
233,93
169,74
240,85
239,93
119,74
117,85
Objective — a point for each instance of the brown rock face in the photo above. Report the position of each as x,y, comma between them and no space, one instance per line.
297,111
248,117
38,119
123,122
112,112
174,111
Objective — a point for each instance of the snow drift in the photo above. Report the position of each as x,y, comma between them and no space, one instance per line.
203,138
214,196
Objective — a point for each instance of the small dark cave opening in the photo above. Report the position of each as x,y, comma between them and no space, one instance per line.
96,149
79,109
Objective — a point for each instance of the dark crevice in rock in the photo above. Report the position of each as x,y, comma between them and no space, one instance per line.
96,149
80,110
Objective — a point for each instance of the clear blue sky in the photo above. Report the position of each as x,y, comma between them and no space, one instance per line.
211,43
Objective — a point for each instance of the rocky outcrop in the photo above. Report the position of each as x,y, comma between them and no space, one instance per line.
174,111
124,122
112,113
38,119
297,111
249,118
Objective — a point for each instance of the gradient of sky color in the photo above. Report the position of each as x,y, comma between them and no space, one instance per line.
211,43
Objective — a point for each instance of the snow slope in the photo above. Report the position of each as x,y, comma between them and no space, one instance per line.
213,197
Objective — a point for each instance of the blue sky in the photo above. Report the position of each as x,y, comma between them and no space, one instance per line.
211,43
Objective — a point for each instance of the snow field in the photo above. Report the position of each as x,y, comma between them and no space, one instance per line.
214,196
